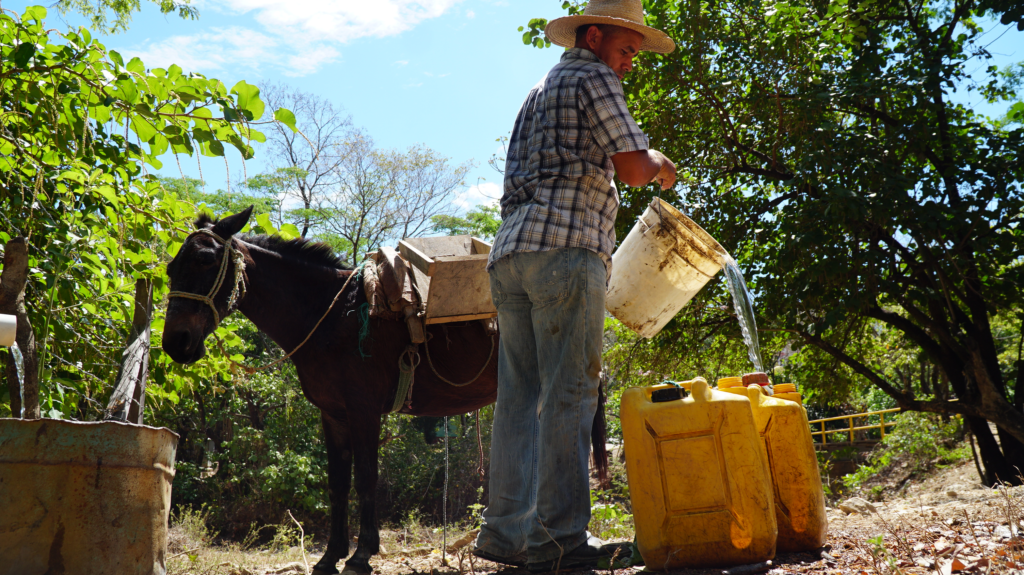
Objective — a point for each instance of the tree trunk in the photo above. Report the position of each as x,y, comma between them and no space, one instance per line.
12,302
997,466
127,403
926,371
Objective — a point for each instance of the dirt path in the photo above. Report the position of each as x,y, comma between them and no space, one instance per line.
946,524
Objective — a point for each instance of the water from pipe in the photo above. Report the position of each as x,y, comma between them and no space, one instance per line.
19,364
743,302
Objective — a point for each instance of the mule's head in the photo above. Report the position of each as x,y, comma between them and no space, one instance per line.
194,270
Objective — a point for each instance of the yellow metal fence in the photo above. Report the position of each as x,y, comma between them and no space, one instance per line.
851,428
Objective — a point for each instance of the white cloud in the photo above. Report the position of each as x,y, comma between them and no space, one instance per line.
482,194
470,14
342,20
296,37
209,51
310,60
401,63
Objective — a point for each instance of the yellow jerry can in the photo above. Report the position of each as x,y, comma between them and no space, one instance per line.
788,391
698,479
732,385
796,483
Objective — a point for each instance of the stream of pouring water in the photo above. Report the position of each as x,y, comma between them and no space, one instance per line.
19,364
743,302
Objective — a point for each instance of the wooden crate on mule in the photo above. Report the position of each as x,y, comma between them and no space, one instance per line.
451,273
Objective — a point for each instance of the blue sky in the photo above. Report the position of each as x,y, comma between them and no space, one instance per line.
450,74
447,73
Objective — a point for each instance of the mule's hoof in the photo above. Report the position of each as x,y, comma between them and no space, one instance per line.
354,571
321,571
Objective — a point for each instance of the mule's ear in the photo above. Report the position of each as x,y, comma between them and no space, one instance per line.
231,225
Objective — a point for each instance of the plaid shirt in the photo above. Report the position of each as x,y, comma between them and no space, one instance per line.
559,191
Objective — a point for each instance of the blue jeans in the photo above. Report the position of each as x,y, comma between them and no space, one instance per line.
551,316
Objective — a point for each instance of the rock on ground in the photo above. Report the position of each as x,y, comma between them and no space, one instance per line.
857,505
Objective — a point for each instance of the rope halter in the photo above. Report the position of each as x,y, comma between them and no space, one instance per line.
237,292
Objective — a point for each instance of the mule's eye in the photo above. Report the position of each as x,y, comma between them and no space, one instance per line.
206,258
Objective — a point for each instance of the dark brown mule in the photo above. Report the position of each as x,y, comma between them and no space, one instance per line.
288,287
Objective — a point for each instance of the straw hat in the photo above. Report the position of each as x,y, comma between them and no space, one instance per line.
624,13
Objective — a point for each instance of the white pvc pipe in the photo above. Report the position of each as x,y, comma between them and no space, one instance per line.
8,329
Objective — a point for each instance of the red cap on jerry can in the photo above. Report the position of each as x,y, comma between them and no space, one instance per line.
758,377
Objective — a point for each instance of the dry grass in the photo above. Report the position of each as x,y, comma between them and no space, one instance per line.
948,523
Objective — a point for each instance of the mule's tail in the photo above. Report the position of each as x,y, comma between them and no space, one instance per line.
597,440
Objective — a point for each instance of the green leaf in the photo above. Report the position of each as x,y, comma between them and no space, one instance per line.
127,91
144,128
37,13
213,148
264,222
286,117
24,53
136,65
249,99
1016,112
289,231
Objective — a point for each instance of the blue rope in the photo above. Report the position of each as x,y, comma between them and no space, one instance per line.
364,328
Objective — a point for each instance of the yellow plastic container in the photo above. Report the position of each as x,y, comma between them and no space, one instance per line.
698,478
796,483
732,385
687,385
788,392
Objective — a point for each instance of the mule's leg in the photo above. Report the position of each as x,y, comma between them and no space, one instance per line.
339,480
365,443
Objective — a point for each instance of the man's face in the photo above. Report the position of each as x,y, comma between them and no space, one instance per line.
616,47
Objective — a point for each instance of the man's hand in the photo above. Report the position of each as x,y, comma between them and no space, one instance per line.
640,168
666,177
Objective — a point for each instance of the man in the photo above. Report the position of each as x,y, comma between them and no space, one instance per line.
548,271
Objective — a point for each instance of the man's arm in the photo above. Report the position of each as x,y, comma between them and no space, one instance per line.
640,168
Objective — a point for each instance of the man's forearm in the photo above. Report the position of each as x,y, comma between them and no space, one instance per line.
640,168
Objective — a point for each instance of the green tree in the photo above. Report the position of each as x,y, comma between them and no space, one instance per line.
115,15
367,196
820,143
219,202
307,163
482,222
80,130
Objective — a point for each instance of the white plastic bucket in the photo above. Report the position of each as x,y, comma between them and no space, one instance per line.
663,262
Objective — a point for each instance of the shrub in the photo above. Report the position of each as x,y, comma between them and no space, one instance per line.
918,441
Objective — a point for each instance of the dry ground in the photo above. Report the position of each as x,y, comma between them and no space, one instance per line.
945,524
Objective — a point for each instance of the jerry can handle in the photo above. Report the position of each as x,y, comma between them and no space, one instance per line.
754,393
700,391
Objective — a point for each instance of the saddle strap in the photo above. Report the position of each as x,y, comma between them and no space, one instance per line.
407,364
